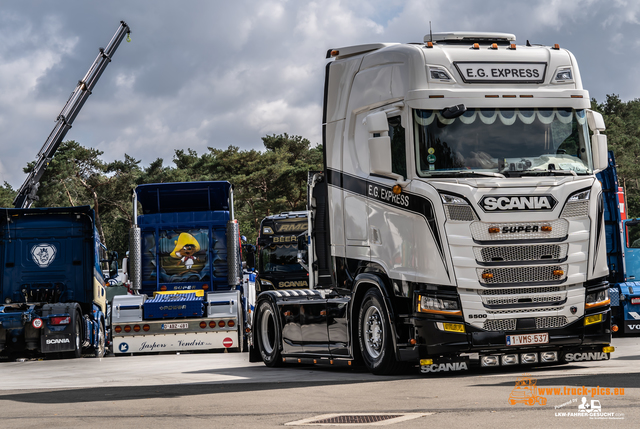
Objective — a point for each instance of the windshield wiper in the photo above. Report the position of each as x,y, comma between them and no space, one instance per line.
545,173
472,173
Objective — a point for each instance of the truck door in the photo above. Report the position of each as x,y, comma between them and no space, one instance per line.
632,251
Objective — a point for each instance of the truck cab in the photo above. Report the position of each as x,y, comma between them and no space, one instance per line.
279,252
458,214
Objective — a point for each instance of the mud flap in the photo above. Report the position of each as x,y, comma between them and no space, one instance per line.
58,338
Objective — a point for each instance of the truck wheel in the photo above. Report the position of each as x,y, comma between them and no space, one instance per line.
76,340
102,344
374,335
268,334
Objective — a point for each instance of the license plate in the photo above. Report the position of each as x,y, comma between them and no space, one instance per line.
518,340
175,326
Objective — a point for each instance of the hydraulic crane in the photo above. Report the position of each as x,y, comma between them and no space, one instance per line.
27,193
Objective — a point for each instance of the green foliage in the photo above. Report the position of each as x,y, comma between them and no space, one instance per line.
264,183
623,137
7,195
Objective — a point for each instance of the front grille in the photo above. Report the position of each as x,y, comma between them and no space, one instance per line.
521,300
515,275
519,230
523,290
500,325
548,322
523,310
551,322
521,253
576,209
460,213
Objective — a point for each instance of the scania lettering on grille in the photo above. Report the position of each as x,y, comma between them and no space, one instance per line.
508,203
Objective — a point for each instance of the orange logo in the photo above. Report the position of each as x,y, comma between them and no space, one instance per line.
526,392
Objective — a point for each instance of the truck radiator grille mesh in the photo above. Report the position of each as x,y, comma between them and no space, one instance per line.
548,322
521,253
551,322
519,300
523,310
576,209
519,230
500,325
459,213
519,291
545,273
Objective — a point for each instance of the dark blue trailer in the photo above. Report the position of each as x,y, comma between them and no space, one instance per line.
623,255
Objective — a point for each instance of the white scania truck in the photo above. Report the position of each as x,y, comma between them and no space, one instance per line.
458,218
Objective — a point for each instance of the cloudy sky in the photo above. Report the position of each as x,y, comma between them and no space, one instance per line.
201,73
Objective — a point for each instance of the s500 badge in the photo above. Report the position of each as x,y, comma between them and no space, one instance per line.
499,203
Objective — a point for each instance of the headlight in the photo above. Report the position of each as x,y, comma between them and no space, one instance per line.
427,304
563,75
452,199
580,196
265,283
457,208
596,299
577,204
439,74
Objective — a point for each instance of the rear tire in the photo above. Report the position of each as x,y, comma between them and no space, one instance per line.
374,336
268,334
101,348
76,340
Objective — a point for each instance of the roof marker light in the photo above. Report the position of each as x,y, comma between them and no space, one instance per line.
494,46
476,46
526,96
429,44
508,96
513,46
335,53
492,96
556,46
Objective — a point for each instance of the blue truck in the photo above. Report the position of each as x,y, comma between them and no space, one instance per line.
52,282
53,264
185,272
623,255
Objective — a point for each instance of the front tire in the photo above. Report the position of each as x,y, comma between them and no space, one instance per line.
268,334
374,335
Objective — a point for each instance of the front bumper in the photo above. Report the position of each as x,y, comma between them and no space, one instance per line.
434,342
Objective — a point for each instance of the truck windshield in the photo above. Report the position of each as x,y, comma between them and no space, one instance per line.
502,142
282,258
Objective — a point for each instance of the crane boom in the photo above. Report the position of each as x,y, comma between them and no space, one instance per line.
27,192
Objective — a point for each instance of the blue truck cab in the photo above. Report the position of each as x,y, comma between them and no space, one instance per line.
185,272
52,282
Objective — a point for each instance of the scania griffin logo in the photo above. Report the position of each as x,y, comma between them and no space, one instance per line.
499,203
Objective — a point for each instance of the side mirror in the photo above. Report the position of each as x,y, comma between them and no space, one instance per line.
595,121
600,153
